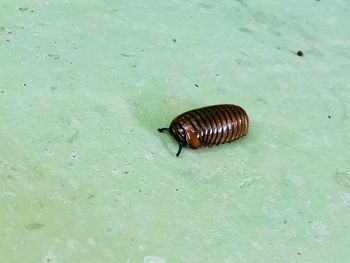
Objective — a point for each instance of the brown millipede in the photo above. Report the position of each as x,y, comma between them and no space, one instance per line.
208,126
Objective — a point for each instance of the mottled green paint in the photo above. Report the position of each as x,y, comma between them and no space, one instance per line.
85,176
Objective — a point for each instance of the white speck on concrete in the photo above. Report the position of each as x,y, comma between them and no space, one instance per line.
28,185
153,259
271,212
111,191
256,245
140,83
295,179
72,244
73,183
141,248
108,253
91,241
319,228
345,197
307,202
291,211
290,233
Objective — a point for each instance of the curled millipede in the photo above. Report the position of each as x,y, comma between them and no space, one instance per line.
208,126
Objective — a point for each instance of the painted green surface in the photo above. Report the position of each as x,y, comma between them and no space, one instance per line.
85,177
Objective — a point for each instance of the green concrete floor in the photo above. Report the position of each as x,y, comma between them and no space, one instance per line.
85,176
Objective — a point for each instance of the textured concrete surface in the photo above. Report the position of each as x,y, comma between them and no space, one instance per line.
84,175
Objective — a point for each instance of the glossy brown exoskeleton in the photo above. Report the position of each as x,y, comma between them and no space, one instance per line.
208,126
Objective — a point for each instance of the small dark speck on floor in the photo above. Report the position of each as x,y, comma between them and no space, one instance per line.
2,91
24,84
54,56
177,189
127,55
329,116
299,253
7,40
126,172
174,40
300,53
196,85
140,190
23,9
285,222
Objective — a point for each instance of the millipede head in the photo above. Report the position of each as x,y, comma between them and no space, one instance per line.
179,137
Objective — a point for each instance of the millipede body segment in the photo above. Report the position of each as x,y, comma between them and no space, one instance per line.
208,126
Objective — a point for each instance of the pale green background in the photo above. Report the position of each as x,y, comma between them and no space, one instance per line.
85,176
